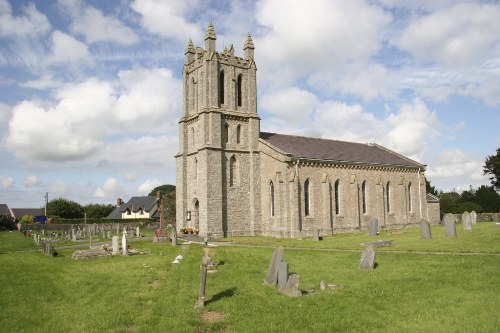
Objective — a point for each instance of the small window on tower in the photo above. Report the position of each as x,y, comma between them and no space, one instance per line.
221,88
238,90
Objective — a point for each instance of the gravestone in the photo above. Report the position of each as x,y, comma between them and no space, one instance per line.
473,217
449,225
282,274
203,279
315,234
137,232
73,235
291,288
272,271
124,242
425,229
466,221
373,227
115,245
367,258
494,217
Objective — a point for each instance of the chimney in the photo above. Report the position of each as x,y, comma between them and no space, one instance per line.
119,202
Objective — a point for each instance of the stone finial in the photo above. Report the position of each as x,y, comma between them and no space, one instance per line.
249,47
189,53
210,39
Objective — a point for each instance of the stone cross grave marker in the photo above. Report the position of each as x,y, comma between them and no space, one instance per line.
425,229
291,288
449,225
466,221
272,271
373,227
367,258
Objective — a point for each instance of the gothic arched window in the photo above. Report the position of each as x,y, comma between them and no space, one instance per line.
226,132
232,171
238,134
388,196
337,197
271,197
221,88
238,90
363,196
410,208
307,198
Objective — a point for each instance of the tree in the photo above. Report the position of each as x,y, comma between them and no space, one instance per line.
488,198
492,167
448,201
65,209
167,193
27,219
430,189
98,210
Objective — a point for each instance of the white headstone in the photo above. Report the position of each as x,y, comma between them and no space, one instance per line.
115,244
124,242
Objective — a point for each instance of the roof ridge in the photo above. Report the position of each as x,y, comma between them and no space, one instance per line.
316,138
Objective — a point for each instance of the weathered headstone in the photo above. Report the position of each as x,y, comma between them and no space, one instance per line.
282,274
494,217
466,221
473,217
272,271
137,232
124,242
315,234
73,235
373,227
291,288
203,279
449,225
425,229
115,245
367,258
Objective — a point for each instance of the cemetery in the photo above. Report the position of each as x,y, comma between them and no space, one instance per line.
434,277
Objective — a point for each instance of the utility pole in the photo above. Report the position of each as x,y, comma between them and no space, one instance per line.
46,201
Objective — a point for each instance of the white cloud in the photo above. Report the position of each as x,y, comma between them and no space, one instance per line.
151,99
148,186
411,131
459,35
88,112
31,181
66,48
6,182
46,81
97,27
289,103
109,190
167,18
313,34
58,189
130,176
31,23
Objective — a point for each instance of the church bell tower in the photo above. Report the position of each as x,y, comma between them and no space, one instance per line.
218,163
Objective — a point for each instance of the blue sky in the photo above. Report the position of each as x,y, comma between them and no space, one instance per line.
91,91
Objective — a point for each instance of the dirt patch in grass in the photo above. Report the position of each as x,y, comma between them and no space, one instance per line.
212,316
155,283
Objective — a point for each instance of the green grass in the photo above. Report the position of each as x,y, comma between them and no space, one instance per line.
414,291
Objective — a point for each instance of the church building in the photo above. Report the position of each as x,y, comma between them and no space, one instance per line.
233,179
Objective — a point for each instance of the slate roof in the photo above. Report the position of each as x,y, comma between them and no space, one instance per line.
432,198
148,203
20,212
4,210
337,151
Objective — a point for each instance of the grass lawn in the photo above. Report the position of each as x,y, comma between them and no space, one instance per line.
441,285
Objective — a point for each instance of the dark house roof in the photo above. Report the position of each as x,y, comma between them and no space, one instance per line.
148,204
337,151
20,212
4,210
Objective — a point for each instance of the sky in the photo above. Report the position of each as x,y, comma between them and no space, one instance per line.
91,91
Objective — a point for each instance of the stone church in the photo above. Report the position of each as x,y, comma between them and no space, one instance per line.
233,179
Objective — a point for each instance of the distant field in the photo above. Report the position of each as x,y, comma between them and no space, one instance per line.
441,285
